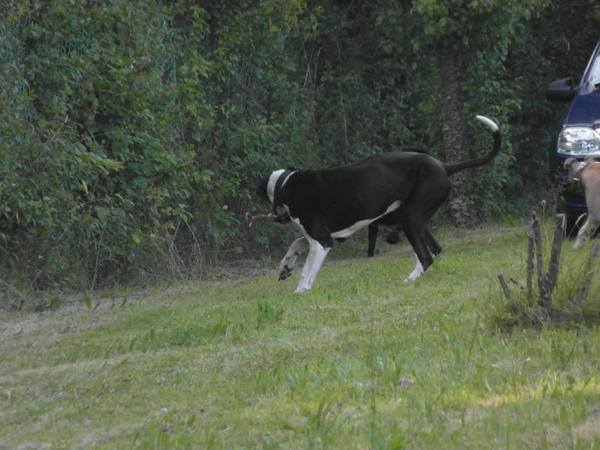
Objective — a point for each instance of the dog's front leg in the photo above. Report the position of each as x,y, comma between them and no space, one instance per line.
288,262
583,234
314,260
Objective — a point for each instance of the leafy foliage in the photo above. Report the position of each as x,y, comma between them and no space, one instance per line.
132,133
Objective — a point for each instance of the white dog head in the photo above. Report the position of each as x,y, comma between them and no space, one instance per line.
574,167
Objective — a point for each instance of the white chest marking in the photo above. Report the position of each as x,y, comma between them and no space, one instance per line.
346,232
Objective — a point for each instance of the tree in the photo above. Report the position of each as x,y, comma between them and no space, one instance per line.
458,31
129,130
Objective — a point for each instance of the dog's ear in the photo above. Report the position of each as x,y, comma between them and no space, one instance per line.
569,162
574,168
572,165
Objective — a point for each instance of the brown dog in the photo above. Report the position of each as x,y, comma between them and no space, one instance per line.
588,174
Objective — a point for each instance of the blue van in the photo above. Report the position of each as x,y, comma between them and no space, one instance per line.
580,132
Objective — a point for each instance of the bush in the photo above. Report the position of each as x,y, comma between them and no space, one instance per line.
555,296
132,134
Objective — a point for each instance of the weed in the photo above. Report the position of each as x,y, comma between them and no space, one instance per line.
320,424
267,314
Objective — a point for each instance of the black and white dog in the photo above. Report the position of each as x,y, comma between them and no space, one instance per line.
403,188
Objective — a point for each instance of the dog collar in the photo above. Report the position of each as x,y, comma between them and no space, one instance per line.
277,191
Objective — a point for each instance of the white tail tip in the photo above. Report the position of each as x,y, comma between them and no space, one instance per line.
488,123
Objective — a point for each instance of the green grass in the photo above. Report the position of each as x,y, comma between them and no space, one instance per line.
362,361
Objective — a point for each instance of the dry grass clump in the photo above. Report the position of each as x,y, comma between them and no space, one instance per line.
558,295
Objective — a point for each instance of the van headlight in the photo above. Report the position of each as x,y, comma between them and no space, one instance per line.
578,141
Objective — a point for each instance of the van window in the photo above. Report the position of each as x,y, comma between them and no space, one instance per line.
595,71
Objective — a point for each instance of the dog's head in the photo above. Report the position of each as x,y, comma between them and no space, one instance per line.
271,190
574,168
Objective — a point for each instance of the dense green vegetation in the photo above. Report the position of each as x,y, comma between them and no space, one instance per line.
363,360
132,133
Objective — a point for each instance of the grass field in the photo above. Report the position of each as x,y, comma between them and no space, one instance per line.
362,361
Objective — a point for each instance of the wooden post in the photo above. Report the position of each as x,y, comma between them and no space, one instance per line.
515,304
541,275
548,280
530,245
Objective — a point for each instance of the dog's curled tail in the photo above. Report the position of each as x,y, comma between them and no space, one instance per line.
455,167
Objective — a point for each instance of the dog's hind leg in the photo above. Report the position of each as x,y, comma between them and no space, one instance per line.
434,247
314,261
415,221
288,262
417,271
416,238
416,213
372,240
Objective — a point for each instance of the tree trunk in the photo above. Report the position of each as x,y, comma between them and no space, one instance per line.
455,137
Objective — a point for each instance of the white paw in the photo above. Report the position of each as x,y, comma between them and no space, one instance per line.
412,277
416,273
